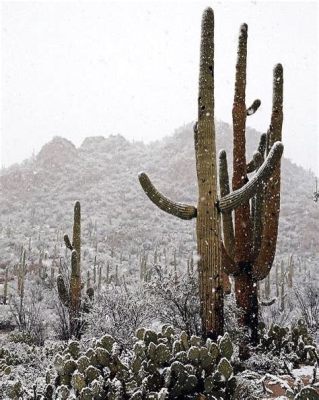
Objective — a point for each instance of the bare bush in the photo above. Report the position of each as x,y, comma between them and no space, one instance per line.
27,312
119,311
307,299
175,300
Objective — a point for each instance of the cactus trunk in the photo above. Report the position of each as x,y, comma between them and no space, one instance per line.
208,217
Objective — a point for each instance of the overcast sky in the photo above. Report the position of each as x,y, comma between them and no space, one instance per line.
79,69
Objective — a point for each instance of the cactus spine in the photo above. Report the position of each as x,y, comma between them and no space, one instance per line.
71,297
212,255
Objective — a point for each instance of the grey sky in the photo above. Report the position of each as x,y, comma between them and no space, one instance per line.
78,69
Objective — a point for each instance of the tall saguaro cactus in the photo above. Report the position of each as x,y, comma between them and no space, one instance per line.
213,258
71,296
251,240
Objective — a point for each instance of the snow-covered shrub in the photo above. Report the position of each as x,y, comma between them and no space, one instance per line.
175,300
248,387
25,364
307,299
28,314
232,315
61,325
119,311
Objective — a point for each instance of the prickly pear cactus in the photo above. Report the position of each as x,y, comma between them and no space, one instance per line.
162,365
294,344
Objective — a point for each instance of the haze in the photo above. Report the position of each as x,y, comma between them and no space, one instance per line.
79,69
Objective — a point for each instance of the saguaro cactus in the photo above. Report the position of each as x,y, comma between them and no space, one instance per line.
212,255
316,192
71,296
290,271
5,286
251,240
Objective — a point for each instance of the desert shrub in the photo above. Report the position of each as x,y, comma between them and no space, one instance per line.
119,311
307,299
28,314
61,325
175,300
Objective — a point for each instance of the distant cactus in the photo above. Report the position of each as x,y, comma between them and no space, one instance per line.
107,273
282,286
5,286
316,192
88,279
290,272
21,275
213,256
99,282
143,267
71,296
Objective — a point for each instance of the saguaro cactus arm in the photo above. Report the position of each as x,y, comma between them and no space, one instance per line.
257,209
62,291
265,258
253,108
179,210
242,222
228,264
67,242
242,195
252,165
239,111
227,221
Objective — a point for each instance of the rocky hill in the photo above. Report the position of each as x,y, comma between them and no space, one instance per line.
37,197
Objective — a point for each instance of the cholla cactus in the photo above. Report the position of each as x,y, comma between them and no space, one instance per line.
215,257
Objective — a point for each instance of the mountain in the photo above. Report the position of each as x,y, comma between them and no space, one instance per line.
37,197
